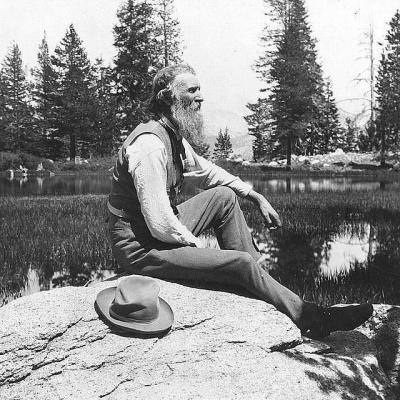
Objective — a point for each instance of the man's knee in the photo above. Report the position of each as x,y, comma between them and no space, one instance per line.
245,264
224,195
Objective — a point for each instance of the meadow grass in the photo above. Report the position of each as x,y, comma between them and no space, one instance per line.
64,239
63,235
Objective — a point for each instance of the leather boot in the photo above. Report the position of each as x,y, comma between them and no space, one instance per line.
318,322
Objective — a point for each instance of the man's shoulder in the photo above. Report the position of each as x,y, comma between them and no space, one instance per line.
146,142
149,130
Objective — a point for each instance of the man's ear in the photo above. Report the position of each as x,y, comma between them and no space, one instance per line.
165,95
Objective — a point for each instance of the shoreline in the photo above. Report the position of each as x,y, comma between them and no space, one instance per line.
239,169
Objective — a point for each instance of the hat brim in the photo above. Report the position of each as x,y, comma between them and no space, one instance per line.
161,324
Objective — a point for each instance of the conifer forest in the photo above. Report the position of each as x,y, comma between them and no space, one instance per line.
67,105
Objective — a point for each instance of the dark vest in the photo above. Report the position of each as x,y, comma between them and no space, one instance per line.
123,195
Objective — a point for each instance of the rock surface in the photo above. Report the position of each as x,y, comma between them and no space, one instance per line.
222,346
384,330
337,161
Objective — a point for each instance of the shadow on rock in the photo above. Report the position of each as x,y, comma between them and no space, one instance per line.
349,372
385,335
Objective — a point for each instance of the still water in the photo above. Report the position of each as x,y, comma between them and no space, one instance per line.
55,185
327,256
100,184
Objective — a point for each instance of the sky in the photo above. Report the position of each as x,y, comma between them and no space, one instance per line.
221,41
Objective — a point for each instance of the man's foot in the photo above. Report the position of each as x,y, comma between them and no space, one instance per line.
321,321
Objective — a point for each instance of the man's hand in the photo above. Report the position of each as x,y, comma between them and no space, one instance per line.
270,216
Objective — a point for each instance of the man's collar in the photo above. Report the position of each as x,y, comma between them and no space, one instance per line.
167,124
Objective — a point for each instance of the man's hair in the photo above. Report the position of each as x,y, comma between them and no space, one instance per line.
161,89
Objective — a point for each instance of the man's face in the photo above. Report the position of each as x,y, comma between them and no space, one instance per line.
186,89
185,108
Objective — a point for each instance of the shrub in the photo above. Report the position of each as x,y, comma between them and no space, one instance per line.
8,160
49,165
14,161
29,161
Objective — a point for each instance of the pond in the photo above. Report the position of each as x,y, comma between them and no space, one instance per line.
339,242
100,184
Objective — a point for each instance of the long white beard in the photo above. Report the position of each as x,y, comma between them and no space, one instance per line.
189,120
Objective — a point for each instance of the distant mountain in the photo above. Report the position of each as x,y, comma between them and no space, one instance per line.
216,118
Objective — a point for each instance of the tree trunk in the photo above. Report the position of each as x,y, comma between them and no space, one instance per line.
383,147
72,147
289,152
288,185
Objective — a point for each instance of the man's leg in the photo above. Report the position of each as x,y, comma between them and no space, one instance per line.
228,267
235,264
219,208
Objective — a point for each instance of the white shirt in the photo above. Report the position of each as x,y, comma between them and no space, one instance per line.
147,160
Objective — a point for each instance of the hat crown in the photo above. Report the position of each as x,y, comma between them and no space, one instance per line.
136,299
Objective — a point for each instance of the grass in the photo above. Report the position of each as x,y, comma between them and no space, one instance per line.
64,240
63,235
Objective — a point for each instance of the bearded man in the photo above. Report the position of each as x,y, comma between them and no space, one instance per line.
153,235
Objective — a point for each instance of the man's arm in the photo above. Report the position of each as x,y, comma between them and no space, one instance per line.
206,175
147,164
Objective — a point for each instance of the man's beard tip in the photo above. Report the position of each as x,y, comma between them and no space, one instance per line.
189,120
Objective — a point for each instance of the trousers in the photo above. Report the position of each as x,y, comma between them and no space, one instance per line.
235,263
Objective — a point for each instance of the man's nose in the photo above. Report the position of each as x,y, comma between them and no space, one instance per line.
199,97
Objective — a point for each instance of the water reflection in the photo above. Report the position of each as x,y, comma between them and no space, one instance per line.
28,285
101,184
55,185
336,256
346,250
301,185
351,261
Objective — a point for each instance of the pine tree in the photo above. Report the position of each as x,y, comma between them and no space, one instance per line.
105,125
368,140
44,95
260,127
137,60
75,97
352,135
169,32
388,90
333,135
4,140
17,117
223,145
293,77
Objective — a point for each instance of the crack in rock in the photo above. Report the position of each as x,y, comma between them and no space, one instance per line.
280,347
236,341
87,341
41,348
59,334
188,326
116,387
48,362
45,378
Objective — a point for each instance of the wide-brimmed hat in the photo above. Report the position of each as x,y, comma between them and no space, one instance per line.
134,306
